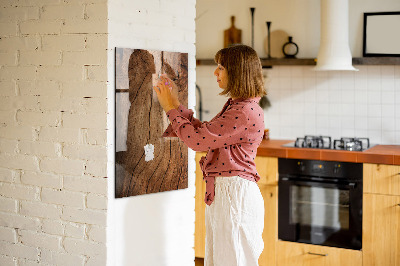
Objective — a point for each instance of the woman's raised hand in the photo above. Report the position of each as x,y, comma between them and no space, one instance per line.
164,94
174,90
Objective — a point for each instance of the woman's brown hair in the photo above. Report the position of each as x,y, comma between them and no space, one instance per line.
245,78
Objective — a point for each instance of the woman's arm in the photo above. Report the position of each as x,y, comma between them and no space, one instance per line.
167,94
225,130
228,128
186,113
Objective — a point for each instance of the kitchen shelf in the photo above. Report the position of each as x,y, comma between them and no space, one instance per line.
376,61
312,61
288,62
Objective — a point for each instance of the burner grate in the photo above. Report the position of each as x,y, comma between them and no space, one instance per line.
324,142
320,142
351,144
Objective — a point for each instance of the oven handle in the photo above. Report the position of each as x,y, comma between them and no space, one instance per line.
297,181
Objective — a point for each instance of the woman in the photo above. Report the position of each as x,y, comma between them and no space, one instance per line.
235,207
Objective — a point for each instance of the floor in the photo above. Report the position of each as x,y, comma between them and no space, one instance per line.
199,262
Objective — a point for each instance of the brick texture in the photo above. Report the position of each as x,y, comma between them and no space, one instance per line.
53,227
61,258
53,109
75,230
8,234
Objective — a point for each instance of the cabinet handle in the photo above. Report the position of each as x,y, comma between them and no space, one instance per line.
318,254
398,204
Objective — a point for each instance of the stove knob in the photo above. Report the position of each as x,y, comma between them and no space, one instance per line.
336,169
301,166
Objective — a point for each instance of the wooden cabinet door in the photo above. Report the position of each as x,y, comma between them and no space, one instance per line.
270,233
200,207
381,179
267,168
298,254
381,230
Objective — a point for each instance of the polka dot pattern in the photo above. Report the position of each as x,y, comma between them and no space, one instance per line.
231,138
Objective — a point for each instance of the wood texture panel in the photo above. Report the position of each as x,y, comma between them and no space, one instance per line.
381,179
297,254
200,227
146,123
270,233
381,230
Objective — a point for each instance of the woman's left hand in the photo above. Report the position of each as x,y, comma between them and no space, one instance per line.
163,90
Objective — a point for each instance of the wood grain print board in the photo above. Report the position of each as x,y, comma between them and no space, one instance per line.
146,162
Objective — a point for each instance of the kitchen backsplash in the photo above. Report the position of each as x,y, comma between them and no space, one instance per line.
337,104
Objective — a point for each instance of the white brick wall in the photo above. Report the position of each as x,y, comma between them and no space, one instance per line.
53,109
53,129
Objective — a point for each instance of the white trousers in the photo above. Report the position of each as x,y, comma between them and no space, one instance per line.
234,223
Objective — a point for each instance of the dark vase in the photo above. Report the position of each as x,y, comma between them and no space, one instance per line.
290,49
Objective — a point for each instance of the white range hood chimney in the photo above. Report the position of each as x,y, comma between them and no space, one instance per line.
334,51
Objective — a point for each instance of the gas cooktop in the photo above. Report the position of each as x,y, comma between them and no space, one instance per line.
325,142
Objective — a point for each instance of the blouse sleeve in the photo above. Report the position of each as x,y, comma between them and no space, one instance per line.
225,130
186,113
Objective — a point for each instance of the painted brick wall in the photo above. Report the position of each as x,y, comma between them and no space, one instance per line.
155,229
53,111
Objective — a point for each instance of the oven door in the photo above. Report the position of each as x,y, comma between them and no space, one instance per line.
321,212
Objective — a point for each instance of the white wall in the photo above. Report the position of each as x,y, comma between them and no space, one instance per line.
299,18
53,106
155,229
338,104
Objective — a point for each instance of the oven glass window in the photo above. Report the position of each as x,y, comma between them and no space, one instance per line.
317,207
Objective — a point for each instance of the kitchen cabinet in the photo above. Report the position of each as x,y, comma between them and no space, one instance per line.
291,253
381,230
200,207
270,233
381,179
381,221
381,215
267,168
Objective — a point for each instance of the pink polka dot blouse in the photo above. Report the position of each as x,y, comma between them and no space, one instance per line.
231,139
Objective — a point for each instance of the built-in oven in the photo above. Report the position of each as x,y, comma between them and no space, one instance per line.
320,202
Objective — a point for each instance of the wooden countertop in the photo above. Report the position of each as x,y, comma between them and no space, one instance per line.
379,154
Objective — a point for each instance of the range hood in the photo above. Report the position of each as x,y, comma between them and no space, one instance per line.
334,51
